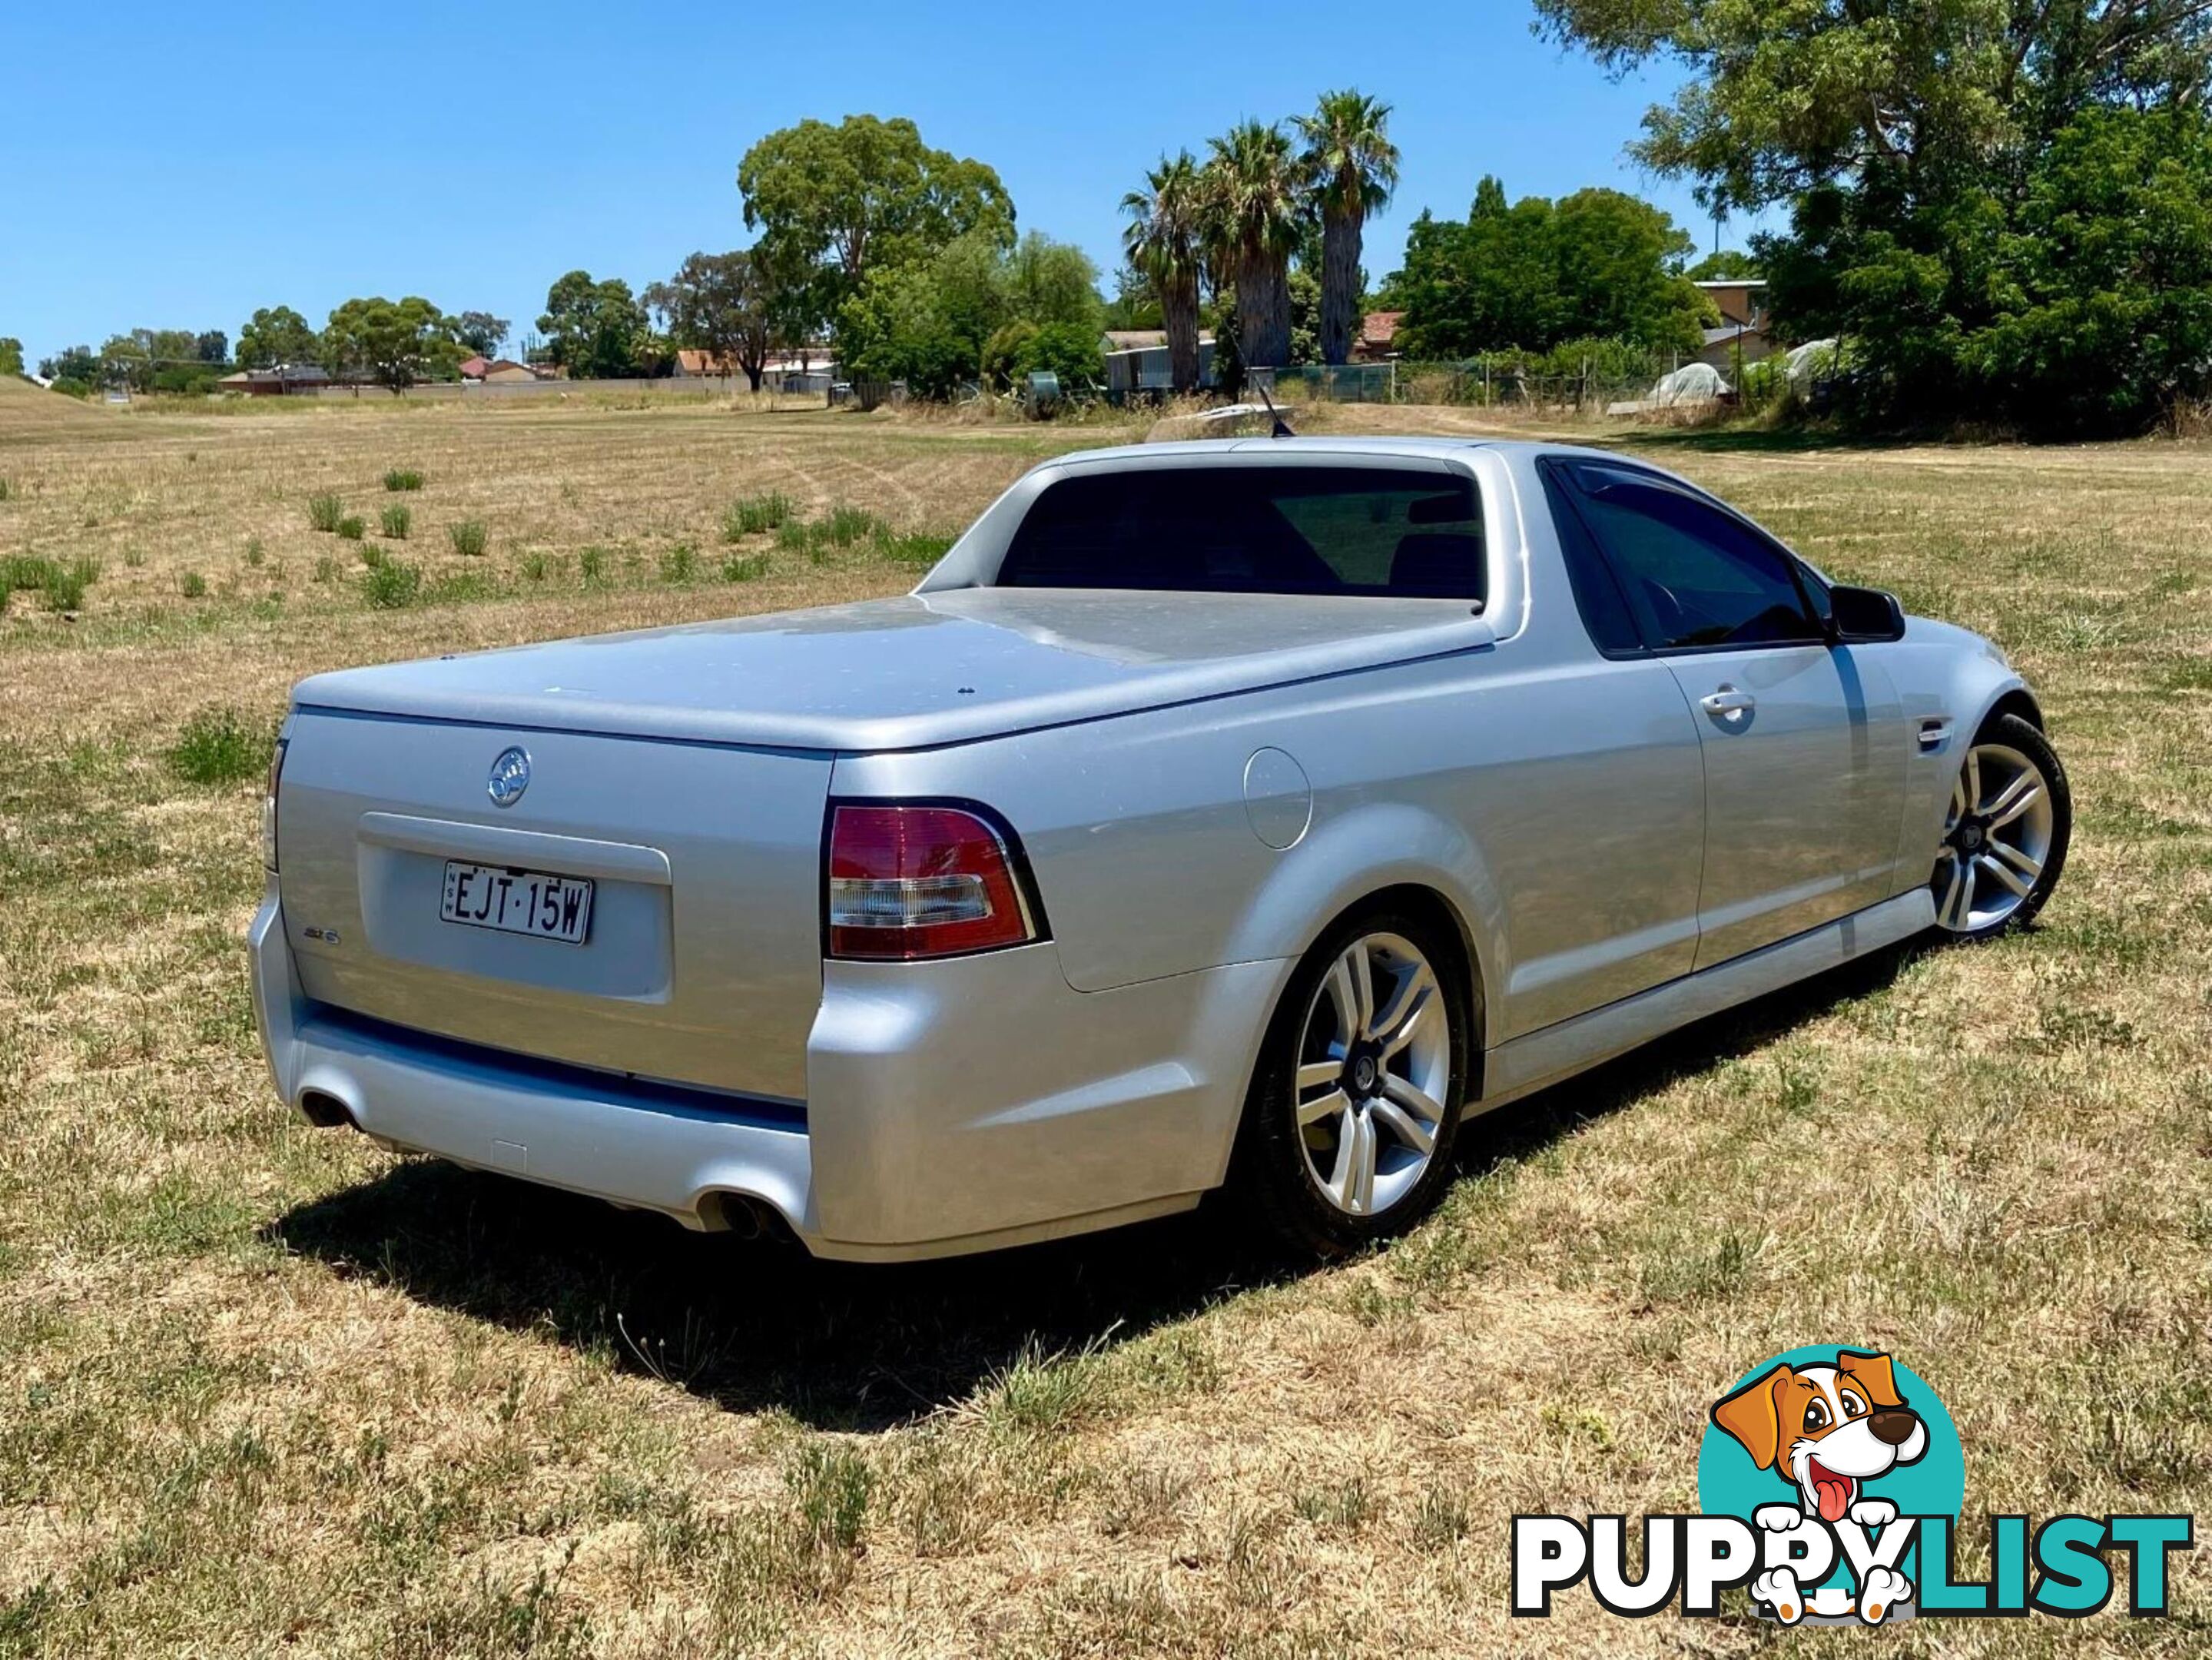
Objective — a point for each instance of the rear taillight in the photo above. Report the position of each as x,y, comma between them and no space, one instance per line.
269,808
908,882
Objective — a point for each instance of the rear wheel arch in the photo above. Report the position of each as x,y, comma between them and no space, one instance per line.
1265,1177
1415,899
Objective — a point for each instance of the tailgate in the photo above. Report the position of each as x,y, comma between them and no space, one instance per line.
702,960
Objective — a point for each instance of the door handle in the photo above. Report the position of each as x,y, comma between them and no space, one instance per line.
1726,702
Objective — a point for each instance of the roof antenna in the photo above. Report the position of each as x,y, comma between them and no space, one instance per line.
1282,427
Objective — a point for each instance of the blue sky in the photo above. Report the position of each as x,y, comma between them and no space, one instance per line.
177,166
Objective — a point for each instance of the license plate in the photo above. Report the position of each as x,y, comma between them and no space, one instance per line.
517,901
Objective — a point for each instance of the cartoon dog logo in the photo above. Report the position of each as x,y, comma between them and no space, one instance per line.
1827,1431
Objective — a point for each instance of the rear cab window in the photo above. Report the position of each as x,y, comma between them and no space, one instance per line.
1402,533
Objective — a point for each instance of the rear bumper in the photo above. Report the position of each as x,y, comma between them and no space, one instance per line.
951,1107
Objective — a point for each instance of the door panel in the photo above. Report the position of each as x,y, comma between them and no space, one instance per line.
1804,782
1804,739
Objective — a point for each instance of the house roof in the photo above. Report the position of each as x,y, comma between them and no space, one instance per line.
1732,282
291,374
1135,339
1379,328
473,367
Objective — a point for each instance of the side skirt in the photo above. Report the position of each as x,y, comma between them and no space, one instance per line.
1530,1063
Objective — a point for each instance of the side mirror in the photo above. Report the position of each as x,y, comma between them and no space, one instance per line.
1866,615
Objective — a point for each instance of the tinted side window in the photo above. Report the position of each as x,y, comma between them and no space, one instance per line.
1604,608
1255,530
1694,575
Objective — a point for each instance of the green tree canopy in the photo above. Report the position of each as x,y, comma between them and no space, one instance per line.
929,324
1596,265
1052,282
596,329
395,342
11,354
1724,265
1917,144
480,332
77,367
861,196
1782,95
723,303
276,334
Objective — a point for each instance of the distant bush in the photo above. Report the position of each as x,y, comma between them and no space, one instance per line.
744,567
680,563
353,527
218,746
756,515
192,585
388,585
324,511
396,520
469,537
402,478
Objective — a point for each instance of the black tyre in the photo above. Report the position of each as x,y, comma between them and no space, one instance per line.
1355,1104
2005,833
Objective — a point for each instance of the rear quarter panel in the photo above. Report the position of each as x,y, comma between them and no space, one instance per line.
1457,775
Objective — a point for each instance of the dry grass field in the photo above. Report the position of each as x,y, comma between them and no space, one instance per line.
265,1390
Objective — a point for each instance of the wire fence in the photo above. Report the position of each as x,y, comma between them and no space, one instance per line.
1590,384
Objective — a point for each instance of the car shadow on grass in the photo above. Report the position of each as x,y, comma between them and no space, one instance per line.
754,1326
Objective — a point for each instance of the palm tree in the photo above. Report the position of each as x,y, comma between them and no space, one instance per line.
1354,168
1162,240
1257,206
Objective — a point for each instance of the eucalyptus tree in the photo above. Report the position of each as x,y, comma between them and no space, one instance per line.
1353,168
1164,240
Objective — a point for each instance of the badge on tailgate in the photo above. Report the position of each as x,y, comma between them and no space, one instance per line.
544,906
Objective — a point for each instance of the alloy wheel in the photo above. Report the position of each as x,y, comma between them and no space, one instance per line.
1997,837
1373,1072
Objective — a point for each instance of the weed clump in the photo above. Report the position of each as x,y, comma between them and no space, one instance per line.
218,746
388,585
